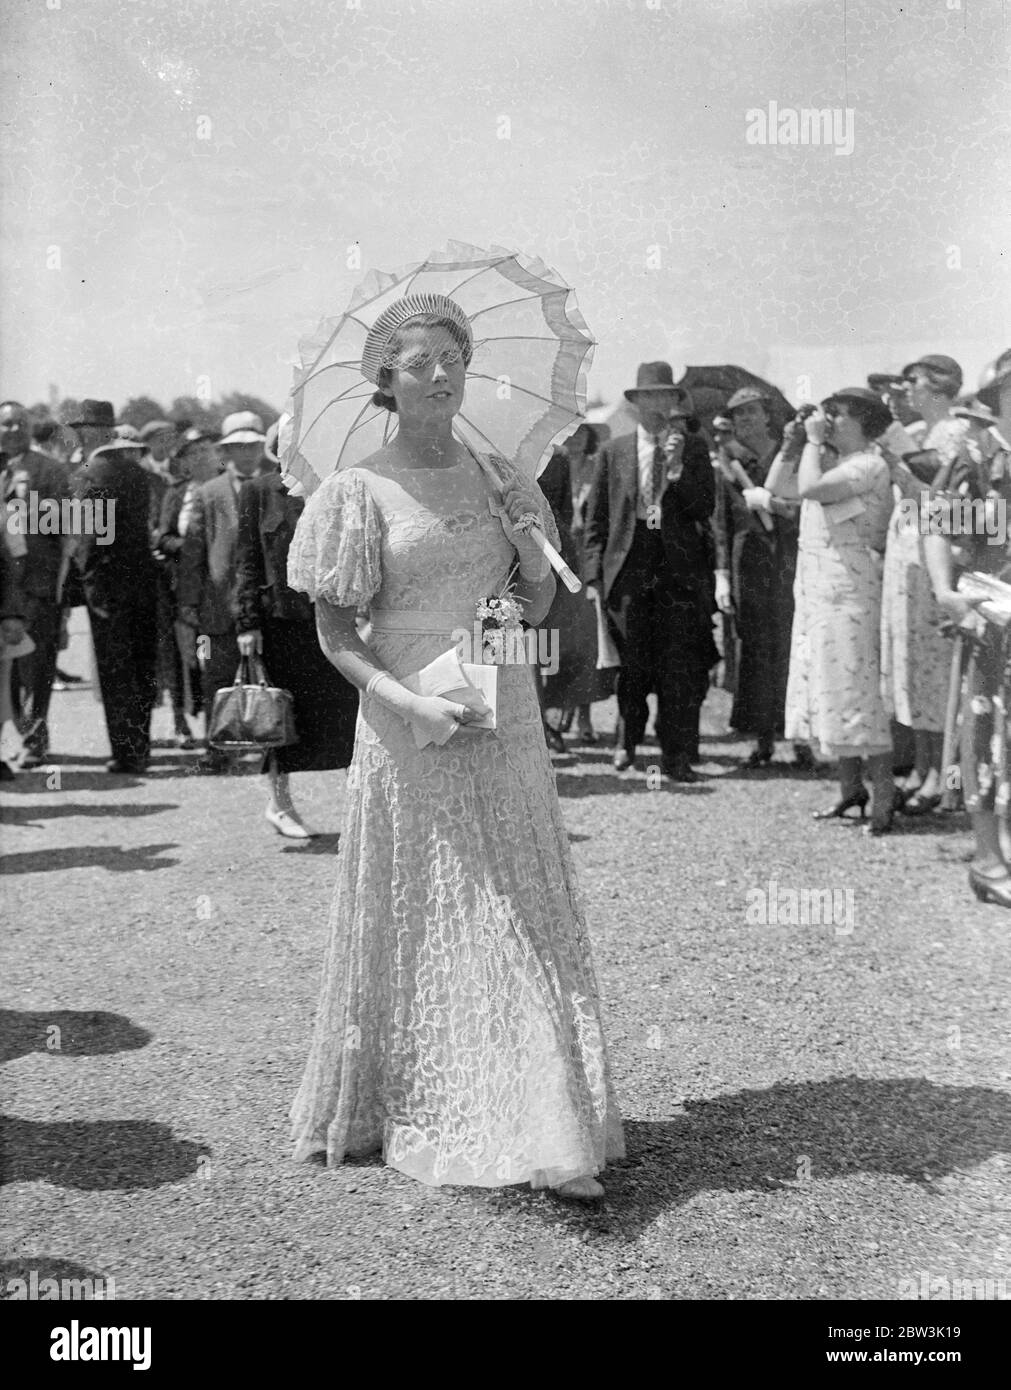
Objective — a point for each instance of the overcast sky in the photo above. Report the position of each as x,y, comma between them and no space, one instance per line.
183,179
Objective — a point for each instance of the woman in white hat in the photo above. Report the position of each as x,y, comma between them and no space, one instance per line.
459,1026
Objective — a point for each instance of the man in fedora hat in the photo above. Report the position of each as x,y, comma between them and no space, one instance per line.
208,600
648,553
118,577
28,476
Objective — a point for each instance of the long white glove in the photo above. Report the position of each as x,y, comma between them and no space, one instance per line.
436,718
525,504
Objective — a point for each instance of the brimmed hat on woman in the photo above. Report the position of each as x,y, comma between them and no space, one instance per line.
877,415
943,371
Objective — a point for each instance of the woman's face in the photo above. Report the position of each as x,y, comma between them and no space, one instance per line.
750,422
844,433
428,379
919,390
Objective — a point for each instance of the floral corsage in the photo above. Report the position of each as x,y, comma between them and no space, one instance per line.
499,616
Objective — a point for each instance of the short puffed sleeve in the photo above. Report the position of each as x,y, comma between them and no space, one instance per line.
336,550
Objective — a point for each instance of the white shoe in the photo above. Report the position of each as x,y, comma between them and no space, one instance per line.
582,1189
287,823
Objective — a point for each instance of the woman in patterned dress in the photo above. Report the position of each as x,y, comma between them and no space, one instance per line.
459,1025
833,696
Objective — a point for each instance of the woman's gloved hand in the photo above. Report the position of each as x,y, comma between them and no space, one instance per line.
519,509
435,718
757,499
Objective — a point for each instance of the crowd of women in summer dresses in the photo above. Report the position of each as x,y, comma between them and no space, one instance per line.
831,632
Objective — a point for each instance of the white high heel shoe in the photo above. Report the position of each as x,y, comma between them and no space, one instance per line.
287,823
581,1189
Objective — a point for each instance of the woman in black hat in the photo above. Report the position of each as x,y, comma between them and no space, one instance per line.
280,625
756,546
833,697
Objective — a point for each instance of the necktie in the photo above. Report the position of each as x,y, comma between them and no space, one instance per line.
659,472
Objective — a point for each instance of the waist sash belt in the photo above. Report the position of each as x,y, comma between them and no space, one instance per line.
421,620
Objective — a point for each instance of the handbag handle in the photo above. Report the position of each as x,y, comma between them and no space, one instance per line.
251,672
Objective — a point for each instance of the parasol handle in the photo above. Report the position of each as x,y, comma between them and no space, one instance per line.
554,560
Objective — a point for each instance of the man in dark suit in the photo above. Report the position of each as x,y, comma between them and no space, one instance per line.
119,581
207,571
648,553
33,480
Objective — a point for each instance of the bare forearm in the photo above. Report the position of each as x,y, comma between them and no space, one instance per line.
937,555
342,645
781,479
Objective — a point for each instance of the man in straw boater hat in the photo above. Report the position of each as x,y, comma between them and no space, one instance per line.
119,578
207,574
648,553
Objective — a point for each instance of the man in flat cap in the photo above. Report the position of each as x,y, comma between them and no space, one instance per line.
648,553
208,603
118,577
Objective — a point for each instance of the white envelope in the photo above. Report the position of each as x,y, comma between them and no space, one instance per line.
463,682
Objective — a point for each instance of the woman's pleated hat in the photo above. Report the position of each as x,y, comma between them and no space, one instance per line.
395,315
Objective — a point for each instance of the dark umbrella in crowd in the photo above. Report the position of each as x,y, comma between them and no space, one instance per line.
711,387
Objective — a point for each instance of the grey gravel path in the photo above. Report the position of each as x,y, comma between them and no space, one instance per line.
813,1111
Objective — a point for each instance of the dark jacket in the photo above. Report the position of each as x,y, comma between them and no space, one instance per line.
48,478
12,603
207,563
121,572
685,514
268,515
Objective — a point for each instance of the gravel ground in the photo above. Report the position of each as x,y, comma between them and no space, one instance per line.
812,1111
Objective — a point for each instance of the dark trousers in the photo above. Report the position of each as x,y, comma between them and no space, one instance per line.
664,639
219,662
34,674
125,645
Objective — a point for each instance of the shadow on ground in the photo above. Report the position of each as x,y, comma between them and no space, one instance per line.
111,857
789,1134
98,1154
57,810
67,1033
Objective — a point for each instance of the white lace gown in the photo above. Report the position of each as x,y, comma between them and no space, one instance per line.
459,1024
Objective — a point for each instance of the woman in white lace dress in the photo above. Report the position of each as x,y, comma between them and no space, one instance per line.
459,1023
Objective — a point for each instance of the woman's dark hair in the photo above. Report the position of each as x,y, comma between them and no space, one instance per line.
44,430
873,417
396,343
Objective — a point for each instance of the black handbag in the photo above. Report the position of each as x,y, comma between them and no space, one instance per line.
250,713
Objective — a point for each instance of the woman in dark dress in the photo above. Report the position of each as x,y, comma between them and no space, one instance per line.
280,624
577,683
756,561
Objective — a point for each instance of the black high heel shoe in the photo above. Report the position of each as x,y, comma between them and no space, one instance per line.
991,890
553,739
759,755
838,811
